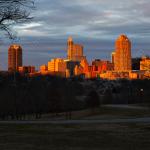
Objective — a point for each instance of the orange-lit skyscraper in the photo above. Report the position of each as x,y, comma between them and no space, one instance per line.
122,55
70,47
75,51
14,57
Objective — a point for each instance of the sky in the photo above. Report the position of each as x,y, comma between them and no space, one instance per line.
96,24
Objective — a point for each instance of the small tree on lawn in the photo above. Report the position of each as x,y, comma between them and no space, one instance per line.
93,100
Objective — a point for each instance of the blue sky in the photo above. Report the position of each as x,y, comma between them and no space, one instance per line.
94,23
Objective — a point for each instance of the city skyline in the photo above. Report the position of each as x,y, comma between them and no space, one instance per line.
28,59
75,63
95,24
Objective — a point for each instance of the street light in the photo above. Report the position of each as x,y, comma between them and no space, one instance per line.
141,94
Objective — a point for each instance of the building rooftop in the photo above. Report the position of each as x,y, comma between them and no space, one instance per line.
70,38
15,46
122,37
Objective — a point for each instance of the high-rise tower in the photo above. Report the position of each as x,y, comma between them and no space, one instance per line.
75,51
122,55
70,47
14,57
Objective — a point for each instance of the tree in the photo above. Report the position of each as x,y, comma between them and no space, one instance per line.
93,100
69,99
13,12
108,97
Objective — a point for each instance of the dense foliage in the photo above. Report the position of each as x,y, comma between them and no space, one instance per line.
22,96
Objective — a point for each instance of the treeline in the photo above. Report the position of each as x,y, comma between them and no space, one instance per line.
22,96
128,92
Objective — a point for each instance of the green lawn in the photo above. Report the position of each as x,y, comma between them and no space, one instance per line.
75,137
123,136
105,112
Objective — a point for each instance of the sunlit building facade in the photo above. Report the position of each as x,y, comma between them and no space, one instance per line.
101,65
75,51
57,65
26,69
14,57
76,63
113,57
43,68
122,57
78,70
145,64
70,66
85,65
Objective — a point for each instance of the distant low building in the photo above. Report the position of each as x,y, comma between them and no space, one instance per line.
68,73
27,69
145,64
101,66
130,75
78,70
70,66
43,68
57,65
113,75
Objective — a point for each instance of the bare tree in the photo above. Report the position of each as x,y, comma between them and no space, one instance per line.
13,12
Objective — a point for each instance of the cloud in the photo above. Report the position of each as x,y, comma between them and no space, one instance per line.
64,17
95,23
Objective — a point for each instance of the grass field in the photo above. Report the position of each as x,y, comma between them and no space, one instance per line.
112,136
75,137
104,112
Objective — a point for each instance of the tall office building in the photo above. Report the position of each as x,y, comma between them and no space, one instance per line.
14,57
70,47
122,55
75,51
